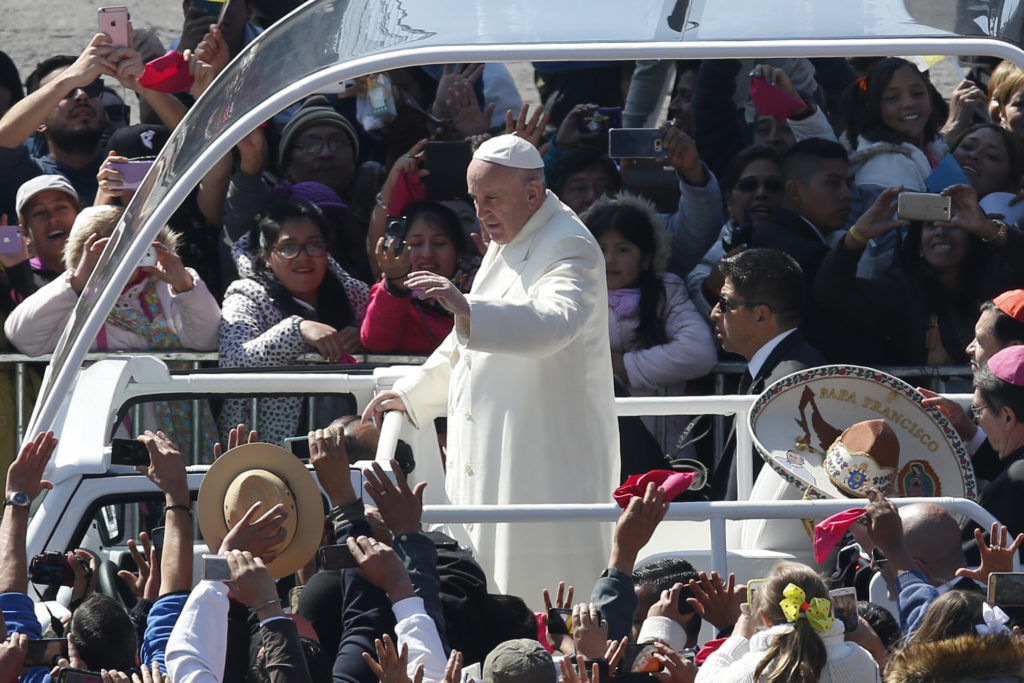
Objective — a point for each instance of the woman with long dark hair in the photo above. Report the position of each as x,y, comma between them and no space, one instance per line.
292,299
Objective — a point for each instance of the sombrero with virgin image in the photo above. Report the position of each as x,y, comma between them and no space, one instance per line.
835,430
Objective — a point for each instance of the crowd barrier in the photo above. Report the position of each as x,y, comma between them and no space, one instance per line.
931,377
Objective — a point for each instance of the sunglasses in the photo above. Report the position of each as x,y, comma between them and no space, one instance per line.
93,90
772,185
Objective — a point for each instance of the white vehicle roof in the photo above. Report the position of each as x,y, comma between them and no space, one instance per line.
327,41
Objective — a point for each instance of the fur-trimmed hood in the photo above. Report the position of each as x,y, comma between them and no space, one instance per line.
958,660
662,241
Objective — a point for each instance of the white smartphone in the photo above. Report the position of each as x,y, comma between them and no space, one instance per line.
114,22
844,607
149,258
215,568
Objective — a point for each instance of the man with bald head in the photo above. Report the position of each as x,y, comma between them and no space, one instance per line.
922,545
524,377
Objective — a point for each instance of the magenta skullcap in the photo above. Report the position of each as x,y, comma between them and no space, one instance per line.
1008,365
509,150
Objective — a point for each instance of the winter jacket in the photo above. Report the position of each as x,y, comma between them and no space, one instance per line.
254,332
402,324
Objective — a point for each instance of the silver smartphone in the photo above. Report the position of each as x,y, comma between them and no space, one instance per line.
1006,589
922,206
215,568
844,607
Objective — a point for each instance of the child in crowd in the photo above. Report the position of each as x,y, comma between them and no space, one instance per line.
789,635
658,339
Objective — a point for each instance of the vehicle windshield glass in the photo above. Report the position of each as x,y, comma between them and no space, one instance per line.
331,40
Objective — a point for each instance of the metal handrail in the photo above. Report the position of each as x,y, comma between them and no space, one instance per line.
714,513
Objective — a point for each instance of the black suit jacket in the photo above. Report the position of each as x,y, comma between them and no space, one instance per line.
792,354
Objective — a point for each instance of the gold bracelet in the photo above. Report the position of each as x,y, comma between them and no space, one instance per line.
999,239
855,234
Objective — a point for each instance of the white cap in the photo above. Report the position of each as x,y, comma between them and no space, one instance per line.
41,183
509,150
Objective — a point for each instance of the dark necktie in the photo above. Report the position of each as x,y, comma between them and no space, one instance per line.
745,382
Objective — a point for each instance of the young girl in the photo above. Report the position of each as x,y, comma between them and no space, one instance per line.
788,635
658,339
890,121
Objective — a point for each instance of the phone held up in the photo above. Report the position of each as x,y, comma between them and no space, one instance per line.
128,452
114,22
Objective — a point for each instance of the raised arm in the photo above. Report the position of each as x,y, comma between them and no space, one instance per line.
24,483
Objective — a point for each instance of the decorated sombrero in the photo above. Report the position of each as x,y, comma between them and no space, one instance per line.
835,430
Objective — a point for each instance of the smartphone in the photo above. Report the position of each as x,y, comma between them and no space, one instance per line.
684,606
844,607
215,568
51,568
1006,589
394,236
752,587
157,538
297,446
447,163
336,557
560,621
11,240
638,659
212,8
69,675
148,258
114,22
602,668
128,452
922,206
636,143
132,172
601,120
46,652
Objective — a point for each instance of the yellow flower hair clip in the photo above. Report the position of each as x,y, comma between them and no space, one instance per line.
818,610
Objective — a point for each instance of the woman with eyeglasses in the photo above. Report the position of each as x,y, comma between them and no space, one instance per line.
753,191
292,298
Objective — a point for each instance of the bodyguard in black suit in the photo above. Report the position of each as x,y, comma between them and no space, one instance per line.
756,316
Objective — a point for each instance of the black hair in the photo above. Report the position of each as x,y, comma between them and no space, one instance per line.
9,78
769,276
44,68
804,158
440,217
955,308
579,159
744,158
661,575
998,394
1013,145
104,634
335,309
634,224
860,111
1006,329
882,622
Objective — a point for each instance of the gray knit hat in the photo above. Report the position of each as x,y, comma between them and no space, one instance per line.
316,111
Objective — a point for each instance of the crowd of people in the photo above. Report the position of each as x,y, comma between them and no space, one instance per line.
776,238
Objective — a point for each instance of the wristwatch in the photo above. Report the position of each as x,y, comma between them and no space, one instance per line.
18,498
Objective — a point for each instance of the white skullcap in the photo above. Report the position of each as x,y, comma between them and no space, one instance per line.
509,150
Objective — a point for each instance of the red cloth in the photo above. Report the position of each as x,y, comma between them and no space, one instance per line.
407,190
542,631
167,74
392,324
706,649
674,483
827,532
771,100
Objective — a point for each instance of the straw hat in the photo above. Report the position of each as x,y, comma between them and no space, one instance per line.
268,473
834,430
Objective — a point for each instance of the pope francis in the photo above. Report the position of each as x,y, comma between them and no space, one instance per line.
525,377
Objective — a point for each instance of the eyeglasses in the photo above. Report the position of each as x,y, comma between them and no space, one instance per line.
292,250
725,305
93,90
750,184
316,145
976,411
